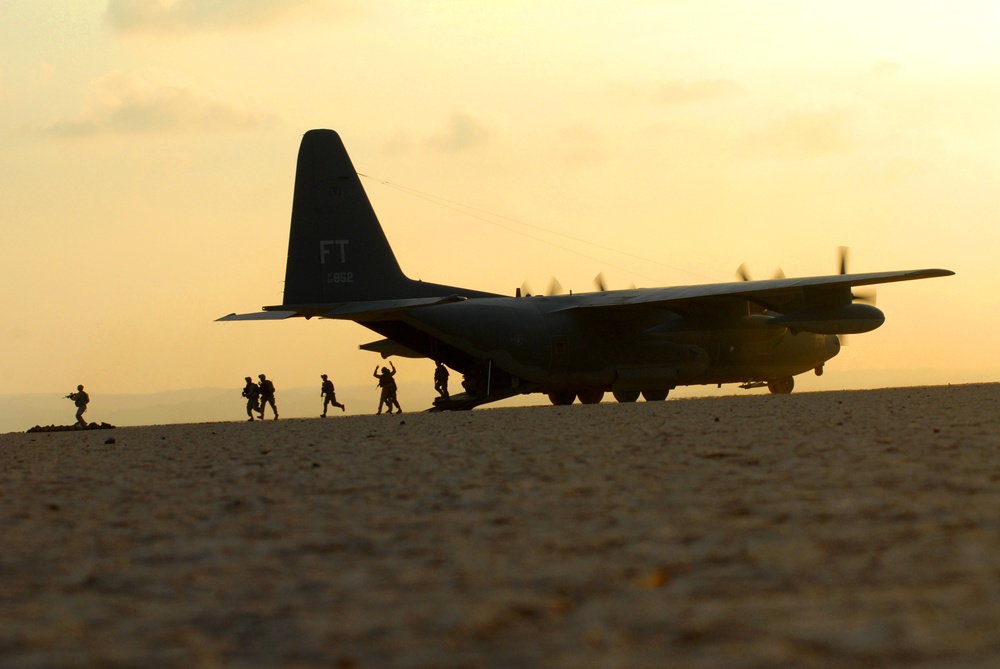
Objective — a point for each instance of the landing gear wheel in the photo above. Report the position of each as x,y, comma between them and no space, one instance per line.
782,386
562,398
655,395
626,395
590,396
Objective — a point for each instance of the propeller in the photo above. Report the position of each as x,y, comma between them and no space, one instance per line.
743,274
555,288
865,296
602,284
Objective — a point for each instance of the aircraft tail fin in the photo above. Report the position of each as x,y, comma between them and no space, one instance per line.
337,251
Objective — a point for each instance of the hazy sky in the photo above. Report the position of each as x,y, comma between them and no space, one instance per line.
149,150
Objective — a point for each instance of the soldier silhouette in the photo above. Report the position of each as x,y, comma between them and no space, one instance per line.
266,396
441,380
81,399
388,386
251,391
329,395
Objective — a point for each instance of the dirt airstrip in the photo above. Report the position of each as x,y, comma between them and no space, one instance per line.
837,529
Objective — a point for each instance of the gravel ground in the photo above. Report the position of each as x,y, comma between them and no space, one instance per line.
837,529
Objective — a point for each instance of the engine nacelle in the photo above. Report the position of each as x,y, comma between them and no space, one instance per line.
845,319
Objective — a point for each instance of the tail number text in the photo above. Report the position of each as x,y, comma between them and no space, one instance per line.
340,277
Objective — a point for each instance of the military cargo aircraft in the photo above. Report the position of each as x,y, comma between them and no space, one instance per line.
642,341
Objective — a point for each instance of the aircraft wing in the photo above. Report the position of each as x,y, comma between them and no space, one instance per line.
377,309
781,295
776,294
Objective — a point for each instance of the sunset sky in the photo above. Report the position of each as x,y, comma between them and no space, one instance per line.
149,150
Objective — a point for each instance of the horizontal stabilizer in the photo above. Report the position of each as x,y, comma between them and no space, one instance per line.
259,316
388,348
369,310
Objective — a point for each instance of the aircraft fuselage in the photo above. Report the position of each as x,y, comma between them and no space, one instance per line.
549,348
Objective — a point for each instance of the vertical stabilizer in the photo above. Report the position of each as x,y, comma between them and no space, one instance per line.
337,251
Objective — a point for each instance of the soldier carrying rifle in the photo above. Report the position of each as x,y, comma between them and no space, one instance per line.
251,391
80,399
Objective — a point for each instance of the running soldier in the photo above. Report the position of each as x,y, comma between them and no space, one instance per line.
329,395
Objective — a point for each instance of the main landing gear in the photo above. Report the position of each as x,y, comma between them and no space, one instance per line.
781,386
567,397
633,395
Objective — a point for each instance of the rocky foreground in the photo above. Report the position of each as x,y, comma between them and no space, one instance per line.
70,428
838,529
